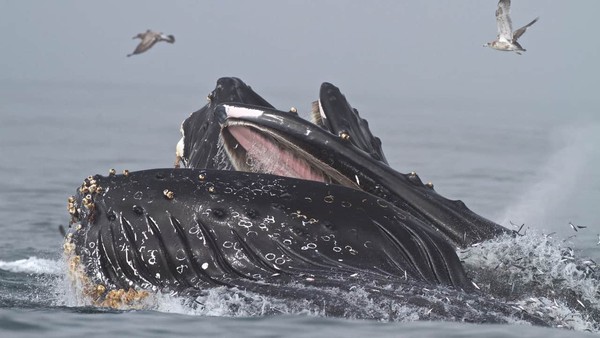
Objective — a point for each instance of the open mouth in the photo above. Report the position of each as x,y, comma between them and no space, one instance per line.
254,148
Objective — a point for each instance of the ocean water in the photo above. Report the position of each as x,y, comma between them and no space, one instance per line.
535,165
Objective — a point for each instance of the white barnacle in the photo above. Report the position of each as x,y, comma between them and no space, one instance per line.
245,223
204,266
152,259
180,255
381,203
181,268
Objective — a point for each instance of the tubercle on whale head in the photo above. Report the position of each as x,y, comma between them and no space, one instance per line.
344,135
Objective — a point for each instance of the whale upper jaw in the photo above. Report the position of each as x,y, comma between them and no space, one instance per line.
199,145
253,146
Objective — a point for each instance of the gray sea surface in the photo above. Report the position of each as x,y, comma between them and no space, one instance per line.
536,165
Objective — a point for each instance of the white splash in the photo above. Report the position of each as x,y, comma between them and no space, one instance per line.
537,272
33,265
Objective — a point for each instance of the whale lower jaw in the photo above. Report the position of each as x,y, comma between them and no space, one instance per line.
185,230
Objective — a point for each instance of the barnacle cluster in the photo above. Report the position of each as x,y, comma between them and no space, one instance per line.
168,194
89,189
72,208
121,298
98,294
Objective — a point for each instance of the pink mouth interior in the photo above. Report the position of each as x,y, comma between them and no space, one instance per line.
267,157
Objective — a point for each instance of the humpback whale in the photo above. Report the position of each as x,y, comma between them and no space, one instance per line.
267,200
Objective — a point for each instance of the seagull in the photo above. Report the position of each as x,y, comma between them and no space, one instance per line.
149,38
506,39
574,227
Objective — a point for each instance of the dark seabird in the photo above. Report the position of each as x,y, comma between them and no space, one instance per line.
149,38
506,39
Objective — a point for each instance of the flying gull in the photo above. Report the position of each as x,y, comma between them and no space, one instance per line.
506,39
149,38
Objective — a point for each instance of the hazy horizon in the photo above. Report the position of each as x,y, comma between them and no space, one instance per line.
388,49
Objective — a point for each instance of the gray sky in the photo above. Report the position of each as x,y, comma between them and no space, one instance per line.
393,49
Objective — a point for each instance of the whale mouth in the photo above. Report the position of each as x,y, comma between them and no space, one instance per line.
255,148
